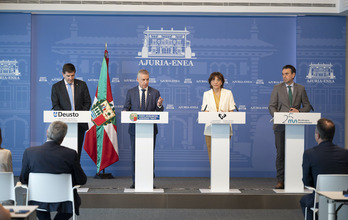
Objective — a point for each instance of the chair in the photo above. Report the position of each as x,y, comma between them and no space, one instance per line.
327,182
46,187
7,187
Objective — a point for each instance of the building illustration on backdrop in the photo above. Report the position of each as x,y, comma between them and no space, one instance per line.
9,68
320,71
230,56
166,43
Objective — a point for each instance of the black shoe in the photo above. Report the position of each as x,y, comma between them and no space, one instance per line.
154,186
132,186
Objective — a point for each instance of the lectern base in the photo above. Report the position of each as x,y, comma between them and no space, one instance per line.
103,176
142,191
284,191
229,191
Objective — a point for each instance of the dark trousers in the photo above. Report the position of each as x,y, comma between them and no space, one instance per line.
280,146
81,129
132,140
59,216
307,201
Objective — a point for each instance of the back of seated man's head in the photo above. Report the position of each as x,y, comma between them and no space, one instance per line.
326,129
57,131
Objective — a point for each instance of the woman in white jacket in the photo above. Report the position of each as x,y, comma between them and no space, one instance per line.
217,99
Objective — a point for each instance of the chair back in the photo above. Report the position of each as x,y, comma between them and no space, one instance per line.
7,189
46,187
331,182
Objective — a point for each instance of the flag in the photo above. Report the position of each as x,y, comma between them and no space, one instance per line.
101,138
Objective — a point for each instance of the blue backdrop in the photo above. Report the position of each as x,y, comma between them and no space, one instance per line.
180,52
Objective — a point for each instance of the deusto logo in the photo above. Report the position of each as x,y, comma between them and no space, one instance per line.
65,115
166,48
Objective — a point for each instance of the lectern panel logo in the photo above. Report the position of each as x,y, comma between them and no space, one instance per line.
102,113
143,117
133,117
222,116
9,70
166,48
290,119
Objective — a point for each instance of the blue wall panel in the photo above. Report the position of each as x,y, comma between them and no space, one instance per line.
249,51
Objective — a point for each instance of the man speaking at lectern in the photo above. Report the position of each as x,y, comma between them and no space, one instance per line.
286,97
72,95
141,98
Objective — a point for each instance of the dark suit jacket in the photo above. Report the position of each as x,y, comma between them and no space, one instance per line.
133,104
325,158
60,98
280,101
53,158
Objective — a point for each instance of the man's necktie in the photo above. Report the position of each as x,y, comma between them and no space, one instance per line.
290,95
71,97
142,108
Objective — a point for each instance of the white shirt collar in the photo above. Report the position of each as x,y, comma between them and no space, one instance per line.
140,89
292,85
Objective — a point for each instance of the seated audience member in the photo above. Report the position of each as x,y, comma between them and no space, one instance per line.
325,158
51,157
5,158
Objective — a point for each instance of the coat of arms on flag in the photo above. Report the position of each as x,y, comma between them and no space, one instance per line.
102,113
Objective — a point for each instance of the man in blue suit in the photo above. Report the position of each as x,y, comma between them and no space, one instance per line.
80,98
325,158
141,98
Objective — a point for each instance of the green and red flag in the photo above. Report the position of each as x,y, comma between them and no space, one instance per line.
101,138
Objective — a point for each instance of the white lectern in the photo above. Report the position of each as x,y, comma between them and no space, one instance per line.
72,118
294,147
220,148
144,147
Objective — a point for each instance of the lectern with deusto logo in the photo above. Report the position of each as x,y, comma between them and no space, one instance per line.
71,118
294,147
220,148
144,122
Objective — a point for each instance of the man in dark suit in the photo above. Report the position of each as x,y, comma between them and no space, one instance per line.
80,101
286,97
325,158
141,98
51,157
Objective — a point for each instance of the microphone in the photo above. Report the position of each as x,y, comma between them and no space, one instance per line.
312,108
236,108
205,108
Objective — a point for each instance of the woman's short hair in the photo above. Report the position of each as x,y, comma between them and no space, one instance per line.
217,75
